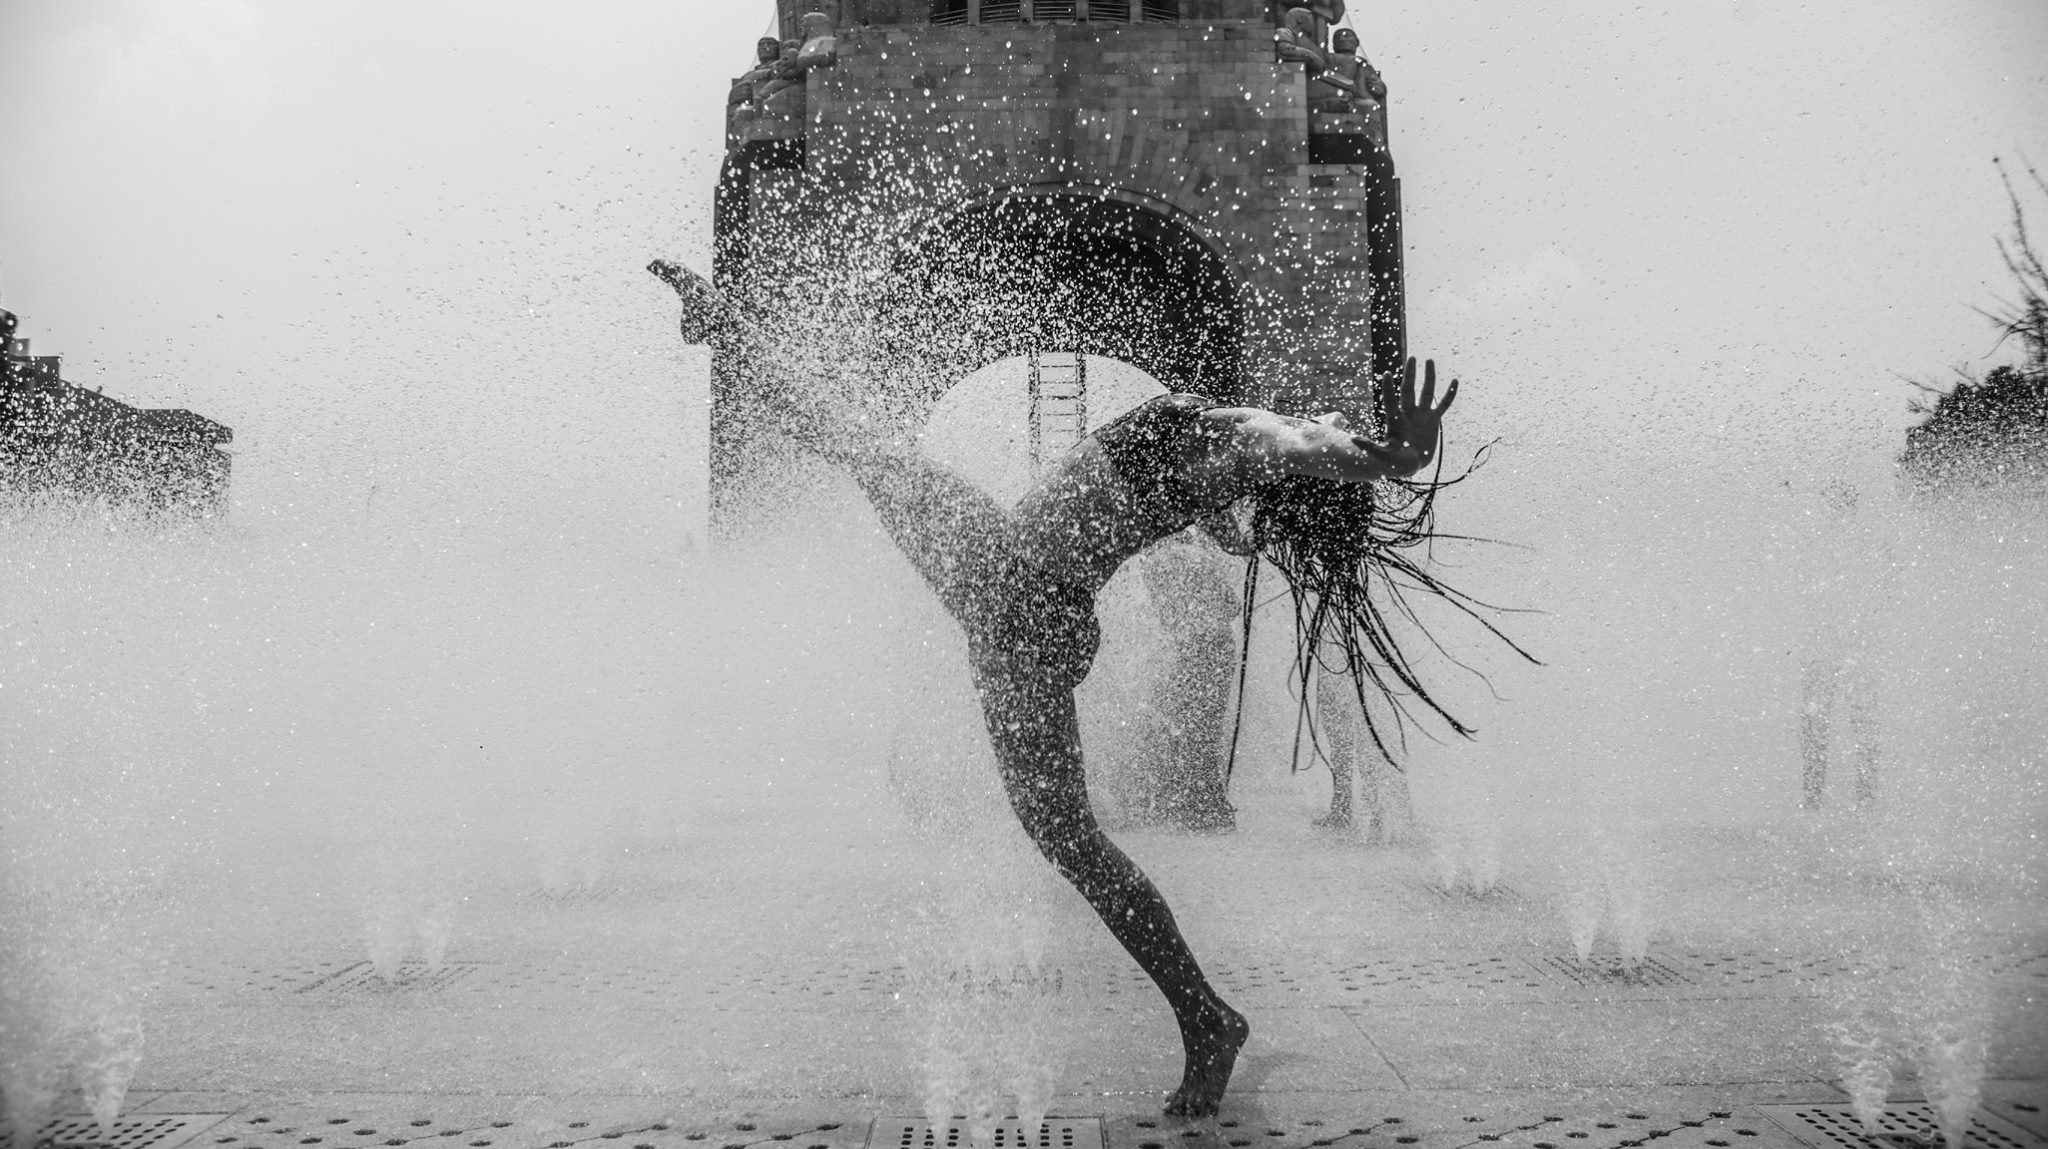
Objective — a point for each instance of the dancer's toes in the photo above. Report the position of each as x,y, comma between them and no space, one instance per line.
705,310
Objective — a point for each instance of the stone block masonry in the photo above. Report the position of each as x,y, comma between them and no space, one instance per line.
1196,126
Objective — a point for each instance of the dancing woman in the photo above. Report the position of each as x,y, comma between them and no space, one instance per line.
1022,584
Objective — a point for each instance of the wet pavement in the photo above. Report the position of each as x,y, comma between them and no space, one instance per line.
749,983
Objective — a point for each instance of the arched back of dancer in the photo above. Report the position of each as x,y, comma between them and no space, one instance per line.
1022,583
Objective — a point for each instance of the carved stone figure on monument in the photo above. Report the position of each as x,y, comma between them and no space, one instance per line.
767,50
1352,63
1372,90
743,102
820,42
1352,88
740,113
782,98
1331,92
787,70
1297,42
1339,89
1327,13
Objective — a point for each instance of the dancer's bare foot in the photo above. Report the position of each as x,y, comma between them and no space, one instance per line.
706,312
1212,1054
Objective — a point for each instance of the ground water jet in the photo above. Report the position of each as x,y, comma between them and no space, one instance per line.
1941,834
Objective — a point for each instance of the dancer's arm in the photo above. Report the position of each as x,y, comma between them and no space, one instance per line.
1269,445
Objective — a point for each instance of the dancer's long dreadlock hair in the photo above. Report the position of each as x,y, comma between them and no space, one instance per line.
1347,552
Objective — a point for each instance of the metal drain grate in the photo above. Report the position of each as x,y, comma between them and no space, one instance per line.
1612,971
413,977
1605,1128
1749,968
214,980
419,1121
1052,1133
2027,965
1464,893
2009,1100
1836,1127
159,1131
1472,974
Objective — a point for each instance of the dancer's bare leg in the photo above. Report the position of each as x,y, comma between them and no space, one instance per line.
1031,644
1037,742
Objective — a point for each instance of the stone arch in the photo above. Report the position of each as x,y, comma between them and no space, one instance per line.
1095,270
981,426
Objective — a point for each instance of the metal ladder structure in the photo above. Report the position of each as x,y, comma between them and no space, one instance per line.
1059,405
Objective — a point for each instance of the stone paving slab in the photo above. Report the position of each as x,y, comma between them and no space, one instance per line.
794,995
559,1039
1586,1045
1725,1116
1427,1119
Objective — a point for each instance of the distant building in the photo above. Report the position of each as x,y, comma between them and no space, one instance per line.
58,437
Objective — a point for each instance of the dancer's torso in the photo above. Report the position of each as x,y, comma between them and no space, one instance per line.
1137,479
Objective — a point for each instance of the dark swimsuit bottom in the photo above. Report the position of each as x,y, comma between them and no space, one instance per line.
1044,629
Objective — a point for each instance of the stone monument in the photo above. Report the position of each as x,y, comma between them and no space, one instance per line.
1147,180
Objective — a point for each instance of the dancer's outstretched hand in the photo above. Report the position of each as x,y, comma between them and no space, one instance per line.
1413,423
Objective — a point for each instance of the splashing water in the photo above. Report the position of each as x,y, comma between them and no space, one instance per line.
406,691
189,711
1942,823
976,944
1866,1066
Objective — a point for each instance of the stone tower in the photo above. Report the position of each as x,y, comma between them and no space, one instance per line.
1201,188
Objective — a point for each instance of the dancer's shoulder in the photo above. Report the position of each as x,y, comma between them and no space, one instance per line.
1173,405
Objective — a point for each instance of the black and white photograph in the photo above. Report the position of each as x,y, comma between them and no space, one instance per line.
1024,574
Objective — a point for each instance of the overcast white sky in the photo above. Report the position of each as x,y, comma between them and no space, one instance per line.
418,228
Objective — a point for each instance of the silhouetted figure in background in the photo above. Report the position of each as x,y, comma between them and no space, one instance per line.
1383,790
1182,757
1837,683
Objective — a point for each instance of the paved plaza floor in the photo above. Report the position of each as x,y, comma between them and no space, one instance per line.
753,982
